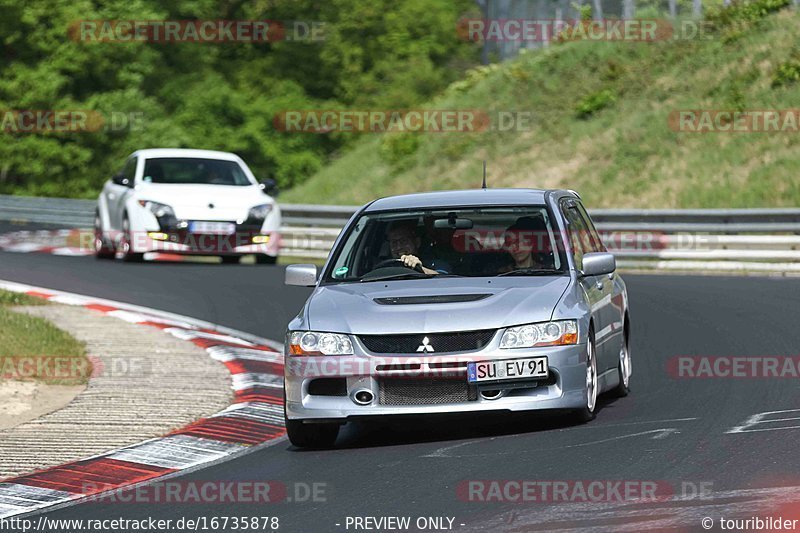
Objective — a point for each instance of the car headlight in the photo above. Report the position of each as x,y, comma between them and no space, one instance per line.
260,211
555,333
317,343
159,210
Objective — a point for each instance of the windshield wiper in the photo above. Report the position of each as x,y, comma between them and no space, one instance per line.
529,272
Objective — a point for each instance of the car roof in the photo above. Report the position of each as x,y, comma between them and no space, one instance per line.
151,153
472,197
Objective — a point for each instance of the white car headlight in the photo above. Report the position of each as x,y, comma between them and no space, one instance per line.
260,211
555,333
318,343
159,210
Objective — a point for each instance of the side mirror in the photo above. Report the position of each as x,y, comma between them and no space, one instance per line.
120,179
301,275
598,263
270,187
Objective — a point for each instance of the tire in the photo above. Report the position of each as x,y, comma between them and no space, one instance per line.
103,249
125,244
322,435
623,368
264,259
230,259
318,435
587,413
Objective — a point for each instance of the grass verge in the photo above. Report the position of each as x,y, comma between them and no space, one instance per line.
33,349
601,124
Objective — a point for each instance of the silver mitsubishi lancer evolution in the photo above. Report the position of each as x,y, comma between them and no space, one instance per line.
458,301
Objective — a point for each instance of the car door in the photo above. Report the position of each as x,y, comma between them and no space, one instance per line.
117,191
613,309
595,287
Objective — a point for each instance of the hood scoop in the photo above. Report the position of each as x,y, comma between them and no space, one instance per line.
433,299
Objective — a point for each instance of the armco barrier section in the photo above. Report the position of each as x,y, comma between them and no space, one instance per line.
663,239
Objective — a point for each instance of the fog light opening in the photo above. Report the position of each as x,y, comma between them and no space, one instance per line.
363,397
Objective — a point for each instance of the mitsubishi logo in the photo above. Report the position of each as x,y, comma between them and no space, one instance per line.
425,346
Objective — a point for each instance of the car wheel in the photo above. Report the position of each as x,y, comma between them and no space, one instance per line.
230,259
587,413
125,244
264,259
102,248
624,369
320,435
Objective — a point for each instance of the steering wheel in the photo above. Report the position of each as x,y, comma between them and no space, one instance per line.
396,263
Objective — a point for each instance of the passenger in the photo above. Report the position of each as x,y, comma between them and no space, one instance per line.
524,241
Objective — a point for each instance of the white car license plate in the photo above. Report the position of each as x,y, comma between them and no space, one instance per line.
507,369
212,228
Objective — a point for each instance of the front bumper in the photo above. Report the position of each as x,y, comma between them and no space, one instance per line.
239,243
564,389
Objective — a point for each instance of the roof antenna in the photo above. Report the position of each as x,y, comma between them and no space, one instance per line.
484,175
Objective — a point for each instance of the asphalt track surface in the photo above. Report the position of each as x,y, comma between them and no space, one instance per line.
669,430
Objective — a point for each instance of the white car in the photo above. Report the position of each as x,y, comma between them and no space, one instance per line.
196,202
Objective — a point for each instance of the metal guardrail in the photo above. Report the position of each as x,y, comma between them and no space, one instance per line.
686,239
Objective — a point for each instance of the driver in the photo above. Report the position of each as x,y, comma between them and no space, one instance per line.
404,245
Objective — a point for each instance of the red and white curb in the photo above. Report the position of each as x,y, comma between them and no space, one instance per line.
255,417
54,242
43,241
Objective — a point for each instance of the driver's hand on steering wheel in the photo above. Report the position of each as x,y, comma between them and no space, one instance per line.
411,261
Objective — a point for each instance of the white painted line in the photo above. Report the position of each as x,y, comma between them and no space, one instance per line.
263,412
230,353
248,380
189,334
177,452
16,498
23,247
68,300
138,318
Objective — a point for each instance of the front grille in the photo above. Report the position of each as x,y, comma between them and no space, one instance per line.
462,341
413,391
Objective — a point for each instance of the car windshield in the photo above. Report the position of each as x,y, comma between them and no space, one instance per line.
185,170
471,241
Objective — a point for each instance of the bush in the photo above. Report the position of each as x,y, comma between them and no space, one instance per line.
396,148
594,103
789,72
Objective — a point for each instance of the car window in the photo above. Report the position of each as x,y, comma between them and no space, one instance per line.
129,171
594,237
468,241
190,170
577,231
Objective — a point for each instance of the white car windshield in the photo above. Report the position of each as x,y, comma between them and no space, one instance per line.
185,170
449,242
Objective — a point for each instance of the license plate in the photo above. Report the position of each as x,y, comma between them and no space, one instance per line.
507,369
212,228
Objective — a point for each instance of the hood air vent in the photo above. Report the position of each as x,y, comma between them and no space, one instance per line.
434,299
